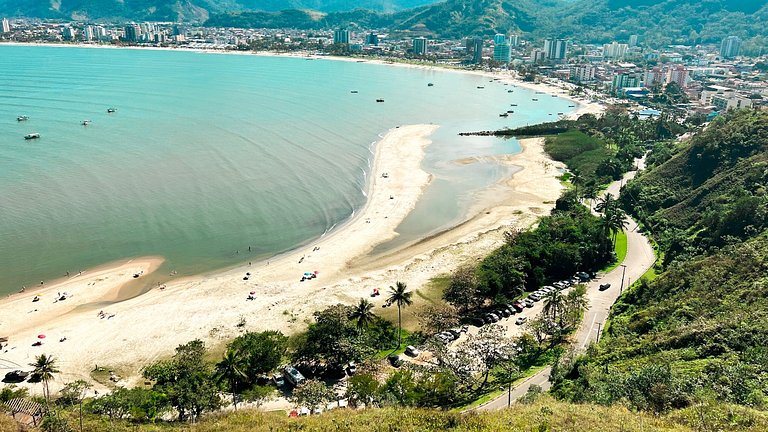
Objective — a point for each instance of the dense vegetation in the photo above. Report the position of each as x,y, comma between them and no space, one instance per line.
598,150
696,333
541,414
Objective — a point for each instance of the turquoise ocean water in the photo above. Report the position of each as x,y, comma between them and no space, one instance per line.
208,154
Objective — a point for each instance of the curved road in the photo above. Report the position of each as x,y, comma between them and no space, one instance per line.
639,259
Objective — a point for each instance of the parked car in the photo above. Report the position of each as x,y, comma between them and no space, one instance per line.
278,380
583,276
351,368
494,317
521,320
528,303
519,307
412,351
503,312
478,322
16,376
512,309
395,360
604,286
293,376
455,333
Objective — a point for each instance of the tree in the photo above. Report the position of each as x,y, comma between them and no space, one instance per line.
75,393
362,314
261,352
363,388
553,304
332,338
259,394
44,370
462,291
188,381
437,318
231,369
489,347
401,297
312,393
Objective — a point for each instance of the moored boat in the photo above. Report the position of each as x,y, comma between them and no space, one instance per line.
85,122
22,118
111,110
379,100
34,135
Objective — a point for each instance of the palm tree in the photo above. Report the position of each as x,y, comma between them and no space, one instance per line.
363,314
45,368
231,369
399,295
553,304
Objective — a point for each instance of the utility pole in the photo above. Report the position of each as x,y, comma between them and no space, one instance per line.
599,326
623,271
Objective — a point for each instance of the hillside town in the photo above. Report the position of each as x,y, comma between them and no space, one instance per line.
701,79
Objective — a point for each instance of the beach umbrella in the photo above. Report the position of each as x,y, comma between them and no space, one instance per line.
317,272
253,292
41,336
307,274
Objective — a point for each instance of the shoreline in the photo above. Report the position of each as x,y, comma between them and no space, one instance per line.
399,154
346,273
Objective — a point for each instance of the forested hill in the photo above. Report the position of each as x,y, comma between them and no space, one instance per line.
185,10
657,22
697,332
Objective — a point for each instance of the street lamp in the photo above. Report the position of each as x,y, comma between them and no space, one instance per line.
623,271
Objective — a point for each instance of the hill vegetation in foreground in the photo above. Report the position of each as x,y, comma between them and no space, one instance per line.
540,414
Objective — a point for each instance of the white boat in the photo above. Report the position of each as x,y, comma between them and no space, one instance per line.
22,118
85,122
111,110
32,136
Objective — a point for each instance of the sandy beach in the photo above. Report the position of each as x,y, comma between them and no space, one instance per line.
132,333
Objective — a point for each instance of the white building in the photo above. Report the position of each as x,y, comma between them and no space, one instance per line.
615,50
6,27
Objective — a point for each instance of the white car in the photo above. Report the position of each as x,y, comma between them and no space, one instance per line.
521,320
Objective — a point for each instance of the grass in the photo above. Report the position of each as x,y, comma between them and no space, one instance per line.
620,249
581,152
431,293
493,394
544,414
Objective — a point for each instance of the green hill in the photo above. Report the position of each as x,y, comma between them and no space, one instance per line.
697,332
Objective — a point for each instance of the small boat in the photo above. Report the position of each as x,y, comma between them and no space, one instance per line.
430,85
22,118
32,136
503,115
111,110
511,111
571,106
85,122
480,87
510,91
512,104
379,100
539,92
534,99
554,95
560,113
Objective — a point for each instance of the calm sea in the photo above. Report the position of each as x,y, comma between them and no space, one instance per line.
209,154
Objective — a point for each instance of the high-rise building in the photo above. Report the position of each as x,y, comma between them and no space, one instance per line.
615,50
477,50
68,33
514,40
100,32
500,39
341,36
624,79
88,33
420,46
132,32
653,77
678,74
538,56
582,73
633,40
6,27
502,52
555,49
730,47
372,39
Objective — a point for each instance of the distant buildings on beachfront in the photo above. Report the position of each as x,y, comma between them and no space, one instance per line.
5,26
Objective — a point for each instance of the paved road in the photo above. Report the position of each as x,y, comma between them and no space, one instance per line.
639,259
